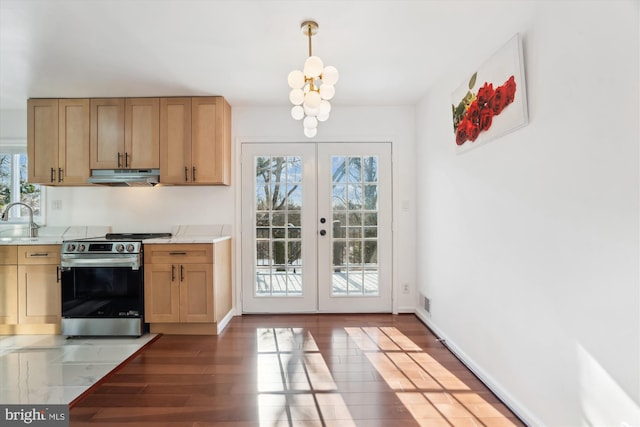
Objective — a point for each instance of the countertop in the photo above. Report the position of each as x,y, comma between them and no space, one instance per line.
187,240
180,234
55,235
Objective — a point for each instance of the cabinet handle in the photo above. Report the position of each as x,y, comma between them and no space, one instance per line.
181,272
53,177
173,273
186,176
119,157
177,253
193,174
39,254
126,160
59,174
57,274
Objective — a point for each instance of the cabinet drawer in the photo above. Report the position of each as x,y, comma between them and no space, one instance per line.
39,254
8,255
196,253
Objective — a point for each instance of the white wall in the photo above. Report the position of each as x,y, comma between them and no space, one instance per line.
133,209
529,245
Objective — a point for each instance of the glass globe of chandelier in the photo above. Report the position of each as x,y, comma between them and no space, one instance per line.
312,88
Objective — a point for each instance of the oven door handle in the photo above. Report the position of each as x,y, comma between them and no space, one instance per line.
133,262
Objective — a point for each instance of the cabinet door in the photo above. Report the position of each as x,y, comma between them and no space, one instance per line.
161,294
42,140
210,141
107,133
39,298
175,140
8,294
73,151
196,293
142,130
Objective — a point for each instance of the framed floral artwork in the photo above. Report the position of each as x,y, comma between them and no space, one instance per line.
493,101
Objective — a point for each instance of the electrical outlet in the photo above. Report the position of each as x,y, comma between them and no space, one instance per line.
56,205
405,288
427,304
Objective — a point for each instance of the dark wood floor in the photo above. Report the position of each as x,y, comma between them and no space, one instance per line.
296,370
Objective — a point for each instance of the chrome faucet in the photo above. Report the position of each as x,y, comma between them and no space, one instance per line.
33,227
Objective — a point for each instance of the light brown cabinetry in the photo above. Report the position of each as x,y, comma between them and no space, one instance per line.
124,133
58,141
195,141
39,298
8,285
187,286
30,289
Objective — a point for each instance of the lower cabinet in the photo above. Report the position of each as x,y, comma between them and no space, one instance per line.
8,285
187,287
31,295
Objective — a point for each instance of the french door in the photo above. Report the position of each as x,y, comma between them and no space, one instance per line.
316,227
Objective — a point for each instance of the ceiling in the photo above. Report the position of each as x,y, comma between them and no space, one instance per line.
387,52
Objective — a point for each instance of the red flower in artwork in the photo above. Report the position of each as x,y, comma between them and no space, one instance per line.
486,116
510,88
498,102
485,93
475,113
462,132
474,131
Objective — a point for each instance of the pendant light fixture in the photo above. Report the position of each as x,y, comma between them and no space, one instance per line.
312,88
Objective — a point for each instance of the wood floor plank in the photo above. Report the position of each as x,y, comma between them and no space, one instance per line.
296,370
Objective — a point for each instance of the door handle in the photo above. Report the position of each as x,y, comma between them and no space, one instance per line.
126,160
58,274
323,232
186,174
53,177
59,174
181,272
193,174
173,272
119,161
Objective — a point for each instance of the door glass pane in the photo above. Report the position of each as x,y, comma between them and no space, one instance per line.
355,225
278,226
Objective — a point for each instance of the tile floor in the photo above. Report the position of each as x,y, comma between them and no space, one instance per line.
51,369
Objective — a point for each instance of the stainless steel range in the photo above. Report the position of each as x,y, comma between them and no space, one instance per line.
103,285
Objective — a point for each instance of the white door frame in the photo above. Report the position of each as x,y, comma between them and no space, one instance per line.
238,300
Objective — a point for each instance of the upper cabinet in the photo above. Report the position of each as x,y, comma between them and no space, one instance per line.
195,141
125,133
188,139
58,141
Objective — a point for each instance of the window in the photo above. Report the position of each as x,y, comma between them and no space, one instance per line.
14,186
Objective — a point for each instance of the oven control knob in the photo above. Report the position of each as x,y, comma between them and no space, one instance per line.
81,248
119,247
130,247
71,247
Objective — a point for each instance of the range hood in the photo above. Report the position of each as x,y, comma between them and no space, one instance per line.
125,177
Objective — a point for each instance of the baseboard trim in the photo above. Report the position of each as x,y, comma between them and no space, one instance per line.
511,402
406,310
225,321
